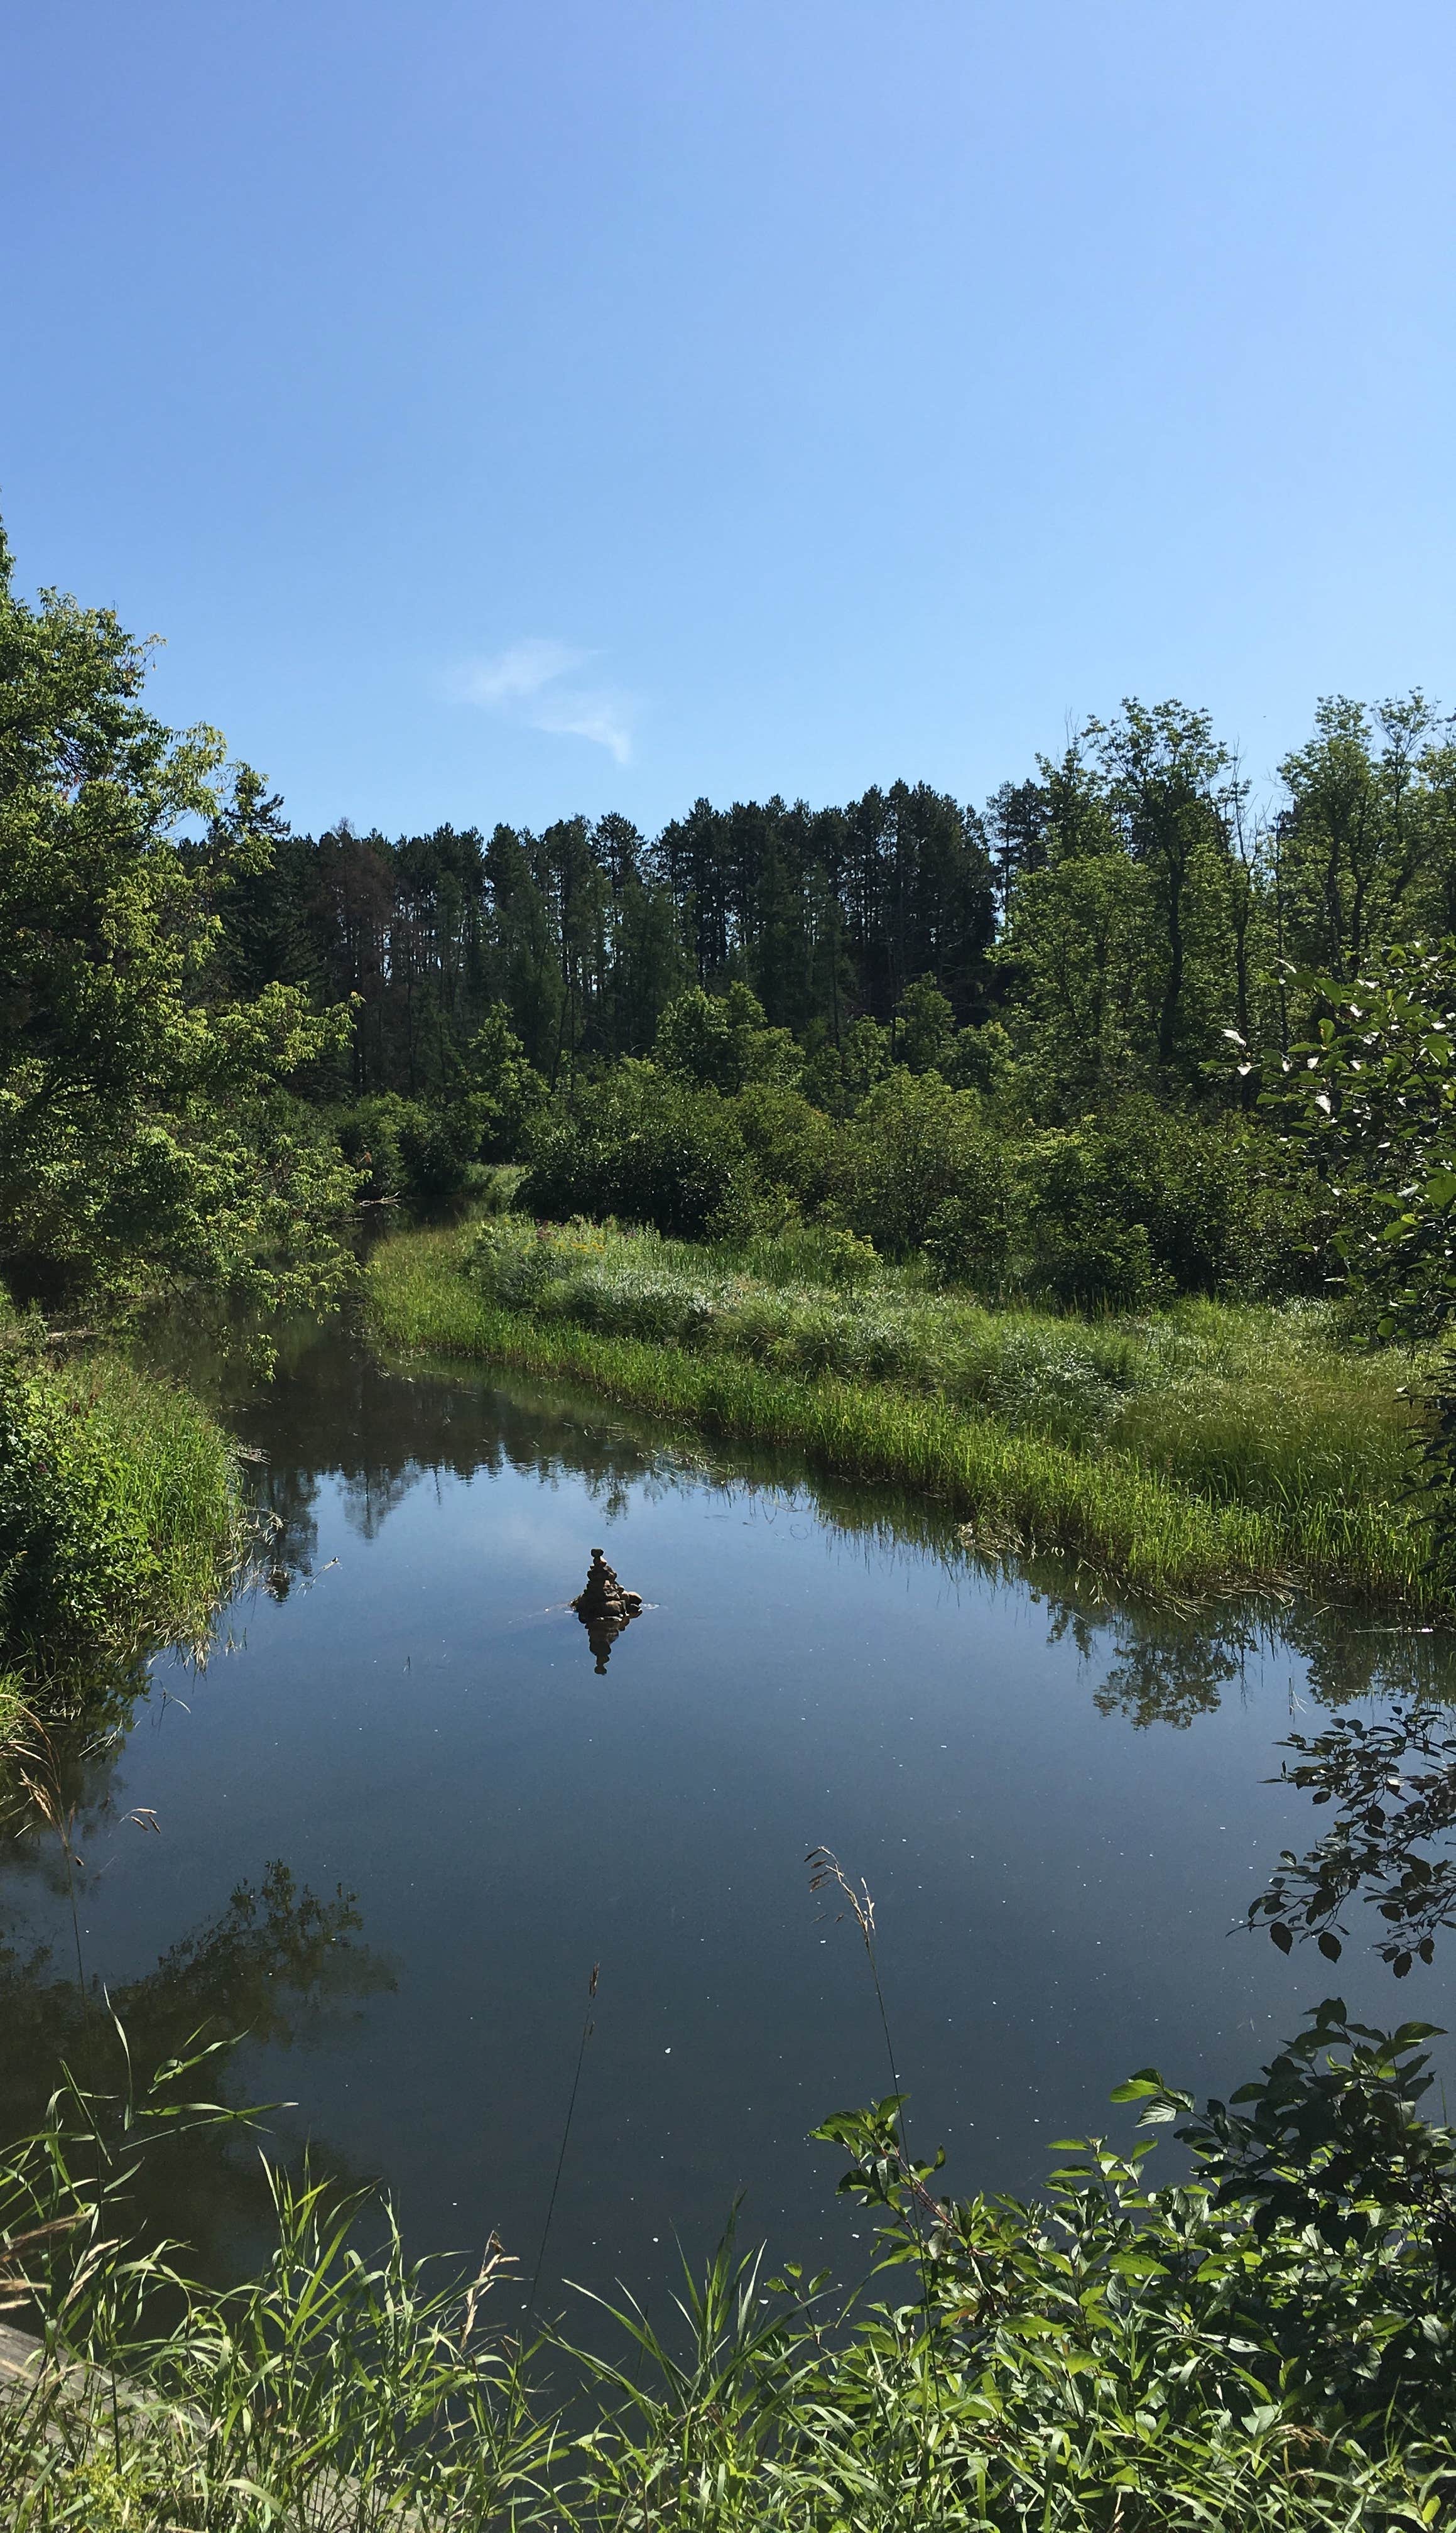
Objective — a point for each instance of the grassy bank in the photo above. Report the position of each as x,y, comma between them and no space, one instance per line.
1209,1447
1117,2359
121,1523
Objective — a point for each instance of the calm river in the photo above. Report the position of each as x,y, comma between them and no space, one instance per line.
401,1816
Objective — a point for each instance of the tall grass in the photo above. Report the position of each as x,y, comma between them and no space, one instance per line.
1209,1447
1121,2360
121,1523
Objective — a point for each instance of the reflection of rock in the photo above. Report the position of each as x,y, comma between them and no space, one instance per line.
603,1607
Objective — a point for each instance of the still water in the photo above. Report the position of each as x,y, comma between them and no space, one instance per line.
401,1816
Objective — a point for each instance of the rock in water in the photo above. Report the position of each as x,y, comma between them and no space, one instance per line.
603,1607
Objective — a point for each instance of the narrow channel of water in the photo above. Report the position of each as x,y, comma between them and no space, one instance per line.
402,1815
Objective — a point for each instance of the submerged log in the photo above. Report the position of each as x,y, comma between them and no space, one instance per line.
605,1608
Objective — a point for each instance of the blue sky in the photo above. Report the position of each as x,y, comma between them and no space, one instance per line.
526,406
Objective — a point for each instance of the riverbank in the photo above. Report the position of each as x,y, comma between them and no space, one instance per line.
1211,1448
1118,2353
121,1525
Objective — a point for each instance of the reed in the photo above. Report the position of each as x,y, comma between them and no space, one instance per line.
1121,2360
1227,1451
121,1525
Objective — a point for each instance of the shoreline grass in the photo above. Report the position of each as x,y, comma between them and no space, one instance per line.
1041,2376
122,1527
1132,1509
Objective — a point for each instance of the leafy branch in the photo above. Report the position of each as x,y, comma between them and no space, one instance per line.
1390,1813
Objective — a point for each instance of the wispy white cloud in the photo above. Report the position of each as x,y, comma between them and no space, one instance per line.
515,675
539,682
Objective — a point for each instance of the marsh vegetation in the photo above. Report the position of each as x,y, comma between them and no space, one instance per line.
1211,1445
122,1528
1264,2342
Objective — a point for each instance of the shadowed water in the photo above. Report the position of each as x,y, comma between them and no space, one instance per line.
402,1816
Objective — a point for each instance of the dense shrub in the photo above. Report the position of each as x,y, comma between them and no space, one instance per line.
1117,1214
507,1090
118,1514
837,1076
368,1136
411,1156
722,1041
643,1145
1084,1246
915,1145
436,1147
968,1237
924,1027
791,1145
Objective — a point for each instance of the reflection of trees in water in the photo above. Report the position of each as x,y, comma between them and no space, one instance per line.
288,1542
335,1409
1162,1669
278,1964
1350,1656
1153,1683
1171,1666
337,1412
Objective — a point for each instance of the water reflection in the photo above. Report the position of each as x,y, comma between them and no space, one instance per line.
277,1965
1162,1669
1147,1665
1060,1803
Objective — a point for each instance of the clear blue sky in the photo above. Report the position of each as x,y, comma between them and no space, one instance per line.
522,406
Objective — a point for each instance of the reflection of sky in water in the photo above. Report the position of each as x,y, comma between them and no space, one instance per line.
1060,1813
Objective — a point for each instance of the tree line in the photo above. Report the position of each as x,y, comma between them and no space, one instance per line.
1026,1040
1114,912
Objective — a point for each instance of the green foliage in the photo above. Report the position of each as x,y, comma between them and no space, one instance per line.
1208,1445
1087,938
148,1126
838,1074
411,1156
792,1146
1371,1092
722,1041
120,1522
1366,855
1087,1253
1266,2343
645,1144
924,1027
336,2387
368,1136
506,1089
1388,1843
915,1145
435,1149
984,1059
1110,1215
1147,1203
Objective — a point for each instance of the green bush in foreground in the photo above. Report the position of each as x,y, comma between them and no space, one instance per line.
1266,2343
120,1519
